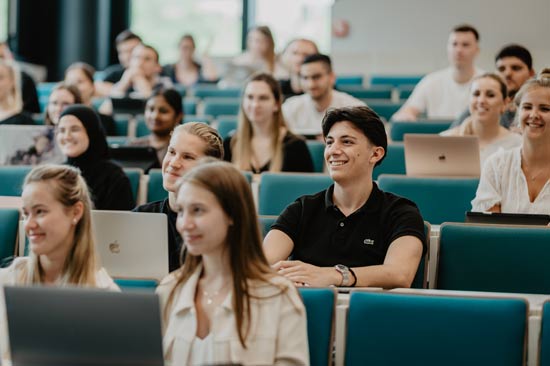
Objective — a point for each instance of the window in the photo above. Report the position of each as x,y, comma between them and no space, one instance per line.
216,25
289,19
3,20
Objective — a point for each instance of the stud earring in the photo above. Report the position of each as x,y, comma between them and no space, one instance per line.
74,221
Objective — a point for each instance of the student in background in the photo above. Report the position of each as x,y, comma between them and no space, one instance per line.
187,71
488,101
260,50
188,143
81,75
163,112
82,140
11,104
291,60
57,221
225,304
518,180
62,96
262,141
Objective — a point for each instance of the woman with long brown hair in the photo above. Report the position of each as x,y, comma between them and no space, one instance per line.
226,304
262,141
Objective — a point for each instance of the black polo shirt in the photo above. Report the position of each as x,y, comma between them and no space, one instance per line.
324,236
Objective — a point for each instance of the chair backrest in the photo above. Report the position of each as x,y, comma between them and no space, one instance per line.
226,125
395,329
9,222
349,80
438,199
493,258
393,163
384,108
544,344
155,190
278,190
399,129
212,90
11,179
220,106
395,80
374,92
190,106
134,175
421,277
121,124
265,223
136,284
320,308
317,152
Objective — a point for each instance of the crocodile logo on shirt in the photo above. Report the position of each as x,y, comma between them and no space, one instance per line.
368,241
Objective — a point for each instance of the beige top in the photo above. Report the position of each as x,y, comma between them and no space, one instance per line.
10,277
278,335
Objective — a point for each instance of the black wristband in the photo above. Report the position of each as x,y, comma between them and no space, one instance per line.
354,278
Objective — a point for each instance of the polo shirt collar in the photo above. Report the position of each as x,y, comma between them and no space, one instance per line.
372,204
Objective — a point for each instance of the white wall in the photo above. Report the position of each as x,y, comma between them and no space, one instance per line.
409,36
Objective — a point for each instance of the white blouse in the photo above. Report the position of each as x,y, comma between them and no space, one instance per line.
503,182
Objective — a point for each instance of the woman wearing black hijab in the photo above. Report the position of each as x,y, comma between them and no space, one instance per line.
83,142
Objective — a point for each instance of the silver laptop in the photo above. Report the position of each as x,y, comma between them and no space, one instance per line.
83,327
132,244
434,155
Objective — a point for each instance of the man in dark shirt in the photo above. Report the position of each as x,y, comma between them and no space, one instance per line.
352,234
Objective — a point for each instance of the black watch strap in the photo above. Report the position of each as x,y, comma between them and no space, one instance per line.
354,278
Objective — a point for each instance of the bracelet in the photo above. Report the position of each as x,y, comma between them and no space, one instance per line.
354,278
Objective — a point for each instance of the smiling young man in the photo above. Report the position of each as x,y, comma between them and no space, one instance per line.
304,113
443,94
351,234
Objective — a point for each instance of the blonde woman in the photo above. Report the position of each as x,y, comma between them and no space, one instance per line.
57,222
518,180
11,102
487,102
262,141
226,305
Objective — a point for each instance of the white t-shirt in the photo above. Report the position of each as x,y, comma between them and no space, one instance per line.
502,182
303,118
439,96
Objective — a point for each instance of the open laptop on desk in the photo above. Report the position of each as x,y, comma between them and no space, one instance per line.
132,244
507,218
444,156
83,327
143,157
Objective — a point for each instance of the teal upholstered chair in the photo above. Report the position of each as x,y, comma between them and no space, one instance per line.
395,80
117,140
221,106
317,152
136,284
399,129
544,351
393,329
11,179
155,190
226,125
195,118
384,108
346,80
374,92
320,308
265,223
439,199
212,90
121,124
494,258
190,106
393,163
404,91
134,175
278,190
9,223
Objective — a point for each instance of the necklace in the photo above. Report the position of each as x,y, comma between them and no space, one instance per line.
532,176
210,297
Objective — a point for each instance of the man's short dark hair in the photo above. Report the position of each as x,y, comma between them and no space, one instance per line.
126,35
319,57
363,118
518,51
466,28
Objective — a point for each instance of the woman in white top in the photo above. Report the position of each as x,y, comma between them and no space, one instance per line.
518,180
488,101
57,222
225,304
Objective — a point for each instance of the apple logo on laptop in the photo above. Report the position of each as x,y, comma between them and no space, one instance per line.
442,157
114,247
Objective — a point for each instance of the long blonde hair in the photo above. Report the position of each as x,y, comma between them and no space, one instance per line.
241,143
68,188
244,241
15,92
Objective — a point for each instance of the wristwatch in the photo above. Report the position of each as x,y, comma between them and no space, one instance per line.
345,272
